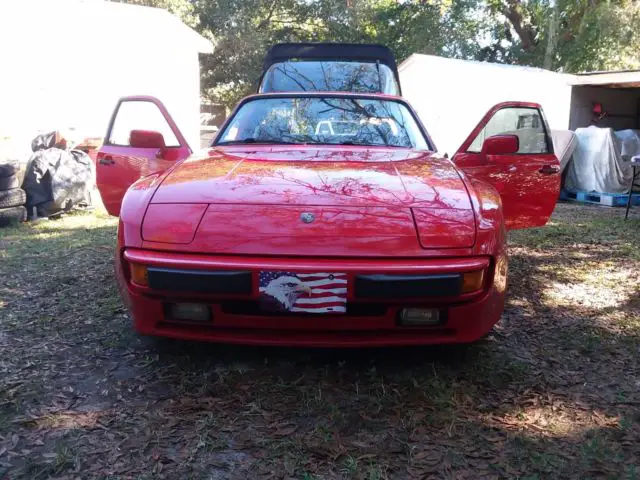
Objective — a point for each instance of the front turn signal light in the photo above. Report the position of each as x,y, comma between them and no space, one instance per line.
472,281
139,274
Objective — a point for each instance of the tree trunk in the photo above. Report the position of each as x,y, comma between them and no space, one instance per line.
525,32
552,38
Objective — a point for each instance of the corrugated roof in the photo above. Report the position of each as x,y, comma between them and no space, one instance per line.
602,72
615,79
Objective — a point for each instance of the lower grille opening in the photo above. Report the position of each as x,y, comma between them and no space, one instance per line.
246,307
294,335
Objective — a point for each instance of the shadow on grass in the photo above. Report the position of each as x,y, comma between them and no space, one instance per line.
551,394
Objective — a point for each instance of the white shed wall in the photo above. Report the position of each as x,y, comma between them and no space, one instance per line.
66,69
451,96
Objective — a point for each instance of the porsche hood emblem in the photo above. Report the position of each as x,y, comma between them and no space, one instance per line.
307,217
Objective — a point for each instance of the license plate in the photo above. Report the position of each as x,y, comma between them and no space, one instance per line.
321,292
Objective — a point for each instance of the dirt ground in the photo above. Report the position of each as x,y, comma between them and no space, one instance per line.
554,392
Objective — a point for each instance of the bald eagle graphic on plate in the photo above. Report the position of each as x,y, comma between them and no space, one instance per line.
322,292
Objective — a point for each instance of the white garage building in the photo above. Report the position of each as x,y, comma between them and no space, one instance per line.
65,63
451,96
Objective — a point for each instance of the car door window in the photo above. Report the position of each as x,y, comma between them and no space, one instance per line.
526,123
140,115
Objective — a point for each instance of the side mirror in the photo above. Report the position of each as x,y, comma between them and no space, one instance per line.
146,139
501,145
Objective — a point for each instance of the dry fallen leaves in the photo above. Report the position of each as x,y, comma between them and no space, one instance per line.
551,394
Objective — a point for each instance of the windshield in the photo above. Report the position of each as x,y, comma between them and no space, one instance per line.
329,76
324,120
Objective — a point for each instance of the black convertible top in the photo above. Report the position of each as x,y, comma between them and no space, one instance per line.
282,52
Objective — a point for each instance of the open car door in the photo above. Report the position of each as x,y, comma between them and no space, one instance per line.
511,149
142,139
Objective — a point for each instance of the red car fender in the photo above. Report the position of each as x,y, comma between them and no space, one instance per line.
134,206
491,236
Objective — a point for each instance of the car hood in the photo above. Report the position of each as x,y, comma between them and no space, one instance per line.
328,176
311,201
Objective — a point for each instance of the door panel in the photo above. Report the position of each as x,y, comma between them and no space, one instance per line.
119,164
528,181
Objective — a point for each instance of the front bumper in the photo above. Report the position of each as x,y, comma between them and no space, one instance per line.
372,322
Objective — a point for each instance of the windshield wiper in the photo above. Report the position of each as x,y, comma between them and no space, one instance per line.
379,76
349,142
257,140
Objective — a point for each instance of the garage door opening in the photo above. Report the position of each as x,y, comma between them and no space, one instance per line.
605,115
606,105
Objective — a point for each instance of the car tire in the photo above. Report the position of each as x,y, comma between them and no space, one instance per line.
12,216
8,169
15,197
9,183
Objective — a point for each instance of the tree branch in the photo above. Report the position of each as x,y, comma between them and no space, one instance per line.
526,33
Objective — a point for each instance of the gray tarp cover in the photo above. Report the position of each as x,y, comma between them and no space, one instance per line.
58,180
601,160
564,143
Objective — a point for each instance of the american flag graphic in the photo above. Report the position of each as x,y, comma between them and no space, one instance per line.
305,292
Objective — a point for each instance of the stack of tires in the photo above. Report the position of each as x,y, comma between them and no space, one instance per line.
12,197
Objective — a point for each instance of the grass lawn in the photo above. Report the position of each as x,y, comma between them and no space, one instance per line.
554,392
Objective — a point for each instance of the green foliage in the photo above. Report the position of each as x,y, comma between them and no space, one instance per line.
606,38
561,35
567,35
243,31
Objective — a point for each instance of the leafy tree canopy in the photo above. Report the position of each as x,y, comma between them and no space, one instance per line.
243,31
566,35
561,35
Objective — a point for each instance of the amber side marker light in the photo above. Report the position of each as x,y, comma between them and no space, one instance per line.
139,274
472,281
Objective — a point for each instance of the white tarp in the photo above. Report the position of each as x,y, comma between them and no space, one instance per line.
601,160
629,142
564,143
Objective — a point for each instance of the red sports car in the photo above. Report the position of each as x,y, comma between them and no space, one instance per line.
321,219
